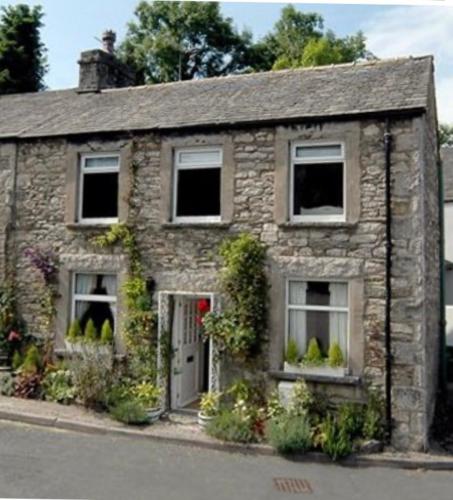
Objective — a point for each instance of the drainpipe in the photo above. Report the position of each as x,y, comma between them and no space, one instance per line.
388,280
442,319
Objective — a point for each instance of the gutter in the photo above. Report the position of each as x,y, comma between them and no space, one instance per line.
388,280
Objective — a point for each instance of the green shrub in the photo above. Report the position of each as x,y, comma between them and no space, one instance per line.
313,356
373,420
74,331
289,433
91,334
6,384
336,442
106,333
57,386
292,352
336,358
32,362
229,426
17,360
350,417
92,374
130,412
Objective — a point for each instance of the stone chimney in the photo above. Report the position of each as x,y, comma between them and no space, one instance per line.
100,69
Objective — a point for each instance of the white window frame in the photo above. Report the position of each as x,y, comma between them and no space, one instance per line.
89,297
177,166
295,160
83,170
305,307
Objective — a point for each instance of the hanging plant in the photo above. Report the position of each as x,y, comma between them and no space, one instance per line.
240,327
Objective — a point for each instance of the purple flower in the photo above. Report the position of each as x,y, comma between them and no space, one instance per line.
44,261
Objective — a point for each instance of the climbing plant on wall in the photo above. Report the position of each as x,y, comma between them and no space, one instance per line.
46,263
140,319
240,327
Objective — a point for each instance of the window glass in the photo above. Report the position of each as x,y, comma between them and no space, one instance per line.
318,309
100,196
101,162
199,157
318,189
95,299
198,192
319,151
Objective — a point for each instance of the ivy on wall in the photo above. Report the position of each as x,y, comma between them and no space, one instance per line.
140,319
240,328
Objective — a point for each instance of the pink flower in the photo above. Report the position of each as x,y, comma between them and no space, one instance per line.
14,336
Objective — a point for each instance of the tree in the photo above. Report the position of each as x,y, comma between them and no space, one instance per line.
446,135
298,40
172,41
22,53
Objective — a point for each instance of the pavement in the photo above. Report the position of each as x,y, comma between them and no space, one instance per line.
183,430
52,463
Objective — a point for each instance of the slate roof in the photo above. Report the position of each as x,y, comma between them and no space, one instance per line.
329,91
446,153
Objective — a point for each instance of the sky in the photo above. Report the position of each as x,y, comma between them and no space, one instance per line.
392,31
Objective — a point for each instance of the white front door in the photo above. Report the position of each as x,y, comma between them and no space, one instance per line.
187,345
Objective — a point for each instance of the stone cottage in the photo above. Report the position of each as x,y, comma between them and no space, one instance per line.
334,168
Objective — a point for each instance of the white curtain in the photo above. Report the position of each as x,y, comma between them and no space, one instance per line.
109,282
85,283
338,321
297,320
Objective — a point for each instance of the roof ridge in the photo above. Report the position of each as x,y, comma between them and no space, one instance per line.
373,62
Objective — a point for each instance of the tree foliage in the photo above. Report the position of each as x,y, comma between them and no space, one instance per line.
22,53
446,135
298,39
172,41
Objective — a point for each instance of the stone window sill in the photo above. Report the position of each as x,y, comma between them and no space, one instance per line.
195,225
308,225
87,227
322,379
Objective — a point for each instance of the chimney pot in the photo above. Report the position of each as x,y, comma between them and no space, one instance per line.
108,41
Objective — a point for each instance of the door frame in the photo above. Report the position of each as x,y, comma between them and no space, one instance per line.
165,327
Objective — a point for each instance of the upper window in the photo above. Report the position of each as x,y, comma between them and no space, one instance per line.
94,297
98,201
197,185
317,309
317,182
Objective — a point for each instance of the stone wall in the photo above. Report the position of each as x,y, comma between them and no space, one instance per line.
182,258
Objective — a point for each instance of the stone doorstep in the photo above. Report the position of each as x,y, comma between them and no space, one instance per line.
74,418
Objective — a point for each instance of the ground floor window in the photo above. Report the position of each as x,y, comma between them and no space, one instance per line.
94,297
317,309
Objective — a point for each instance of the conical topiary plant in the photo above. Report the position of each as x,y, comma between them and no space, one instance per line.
106,333
91,333
336,358
17,360
313,356
74,331
32,362
292,352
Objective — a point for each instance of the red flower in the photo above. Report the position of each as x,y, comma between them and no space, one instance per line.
203,306
14,336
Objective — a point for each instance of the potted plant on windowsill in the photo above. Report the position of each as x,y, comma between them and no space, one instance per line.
314,363
149,395
74,337
209,407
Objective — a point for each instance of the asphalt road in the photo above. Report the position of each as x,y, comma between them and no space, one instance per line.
41,463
